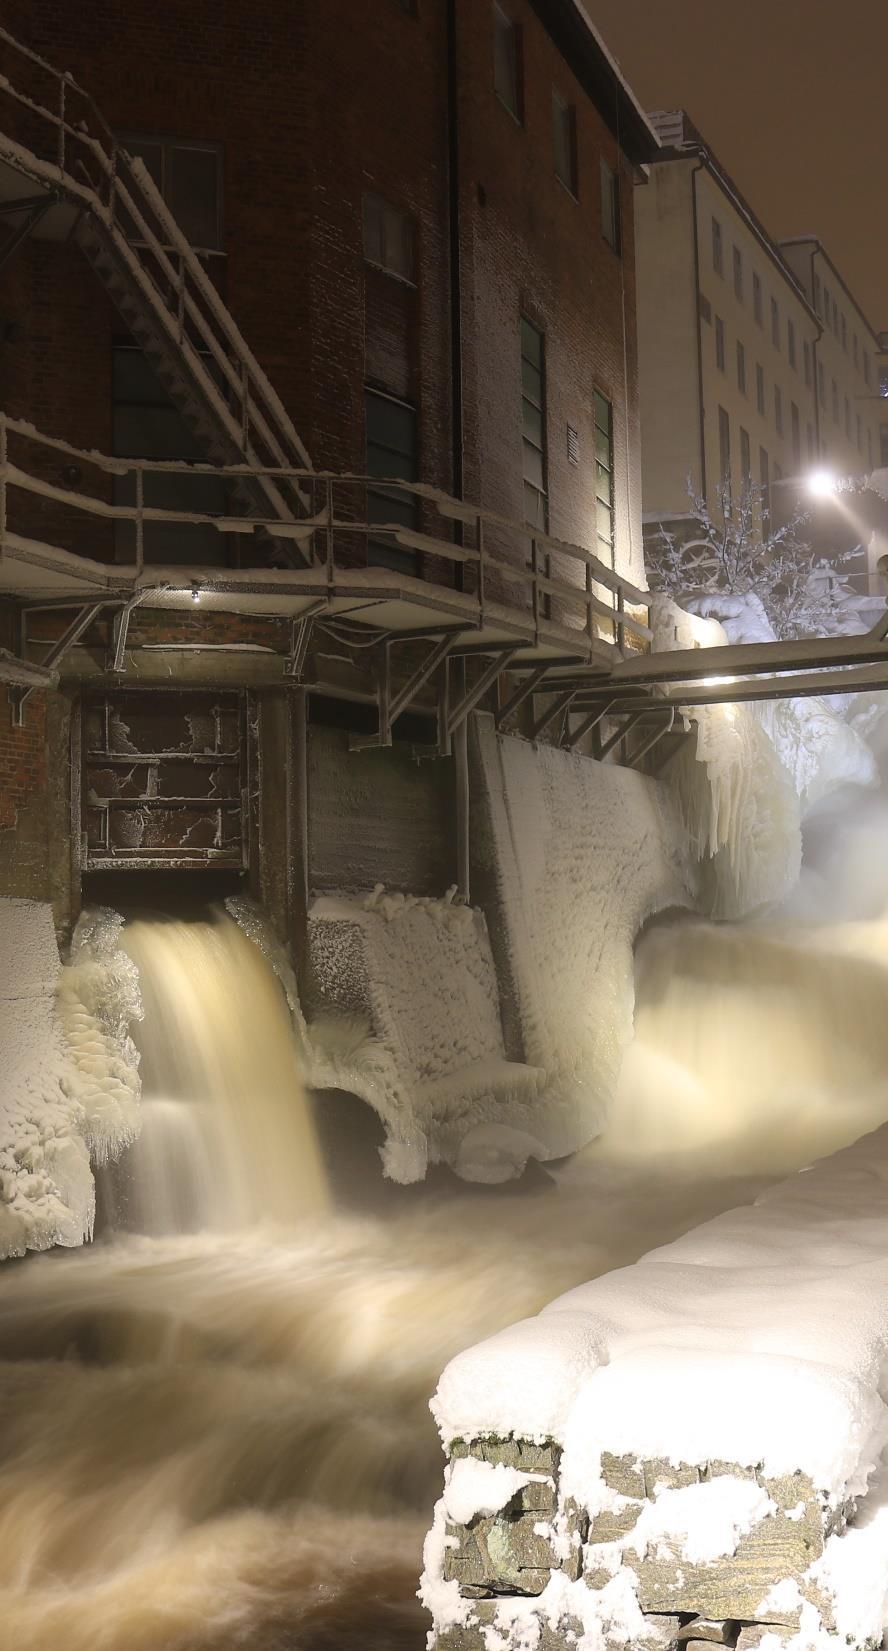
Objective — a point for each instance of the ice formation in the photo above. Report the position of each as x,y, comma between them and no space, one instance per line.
70,1078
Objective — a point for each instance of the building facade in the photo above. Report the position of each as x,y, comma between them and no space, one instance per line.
284,244
727,340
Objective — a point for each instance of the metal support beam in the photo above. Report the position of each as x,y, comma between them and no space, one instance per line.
486,680
300,638
614,738
80,623
461,804
587,724
562,702
121,628
423,674
653,739
297,833
39,206
530,685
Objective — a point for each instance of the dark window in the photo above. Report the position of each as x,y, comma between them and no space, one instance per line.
533,425
507,78
564,137
806,351
760,388
741,368
775,323
604,476
745,460
790,342
610,206
778,409
718,256
757,297
388,237
392,452
724,458
189,177
719,344
795,420
147,425
738,273
765,484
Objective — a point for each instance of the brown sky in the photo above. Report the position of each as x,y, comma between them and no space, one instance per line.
792,95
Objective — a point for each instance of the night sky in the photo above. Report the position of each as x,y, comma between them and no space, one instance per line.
792,96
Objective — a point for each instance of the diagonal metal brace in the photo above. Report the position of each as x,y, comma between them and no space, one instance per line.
654,738
80,623
478,689
562,703
617,735
531,685
301,638
423,673
36,207
588,723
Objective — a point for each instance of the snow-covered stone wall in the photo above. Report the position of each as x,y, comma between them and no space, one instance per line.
69,1086
581,854
701,1435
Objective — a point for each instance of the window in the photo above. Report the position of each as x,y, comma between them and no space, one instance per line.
603,414
564,137
738,273
610,206
718,257
189,177
796,426
817,294
392,451
745,460
533,425
765,484
821,384
790,343
741,368
724,458
507,77
757,296
826,304
719,344
775,323
147,425
806,355
778,409
760,388
388,237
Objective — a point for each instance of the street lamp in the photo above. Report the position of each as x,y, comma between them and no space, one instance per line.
821,483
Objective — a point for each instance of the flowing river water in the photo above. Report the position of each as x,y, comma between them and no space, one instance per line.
214,1430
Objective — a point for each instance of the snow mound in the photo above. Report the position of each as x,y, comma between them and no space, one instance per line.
70,1080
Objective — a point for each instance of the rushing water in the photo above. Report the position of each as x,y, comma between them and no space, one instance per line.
213,1423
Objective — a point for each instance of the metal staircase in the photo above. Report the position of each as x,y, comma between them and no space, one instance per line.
53,137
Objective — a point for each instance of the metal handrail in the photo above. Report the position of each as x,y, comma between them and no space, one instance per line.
495,545
119,192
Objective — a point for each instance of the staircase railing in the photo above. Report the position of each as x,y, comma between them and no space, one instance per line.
68,145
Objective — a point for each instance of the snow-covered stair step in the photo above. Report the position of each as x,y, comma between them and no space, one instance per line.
710,1423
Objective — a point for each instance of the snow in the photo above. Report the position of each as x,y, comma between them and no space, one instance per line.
582,853
704,1521
476,1489
409,1020
721,1345
70,1081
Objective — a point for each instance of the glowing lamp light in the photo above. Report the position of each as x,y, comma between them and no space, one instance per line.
195,591
822,483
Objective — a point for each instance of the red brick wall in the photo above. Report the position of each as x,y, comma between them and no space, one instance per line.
313,105
22,757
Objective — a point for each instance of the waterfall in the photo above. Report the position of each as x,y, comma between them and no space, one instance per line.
227,1137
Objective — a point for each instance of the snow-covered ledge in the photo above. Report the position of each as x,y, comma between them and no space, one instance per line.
690,1448
70,1085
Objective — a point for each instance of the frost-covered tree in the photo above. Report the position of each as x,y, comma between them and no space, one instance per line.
740,551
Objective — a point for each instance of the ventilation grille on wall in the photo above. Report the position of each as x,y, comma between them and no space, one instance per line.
573,445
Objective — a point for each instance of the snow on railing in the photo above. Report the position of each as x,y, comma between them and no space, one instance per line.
70,146
350,520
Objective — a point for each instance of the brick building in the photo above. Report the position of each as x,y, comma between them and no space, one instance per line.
419,217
